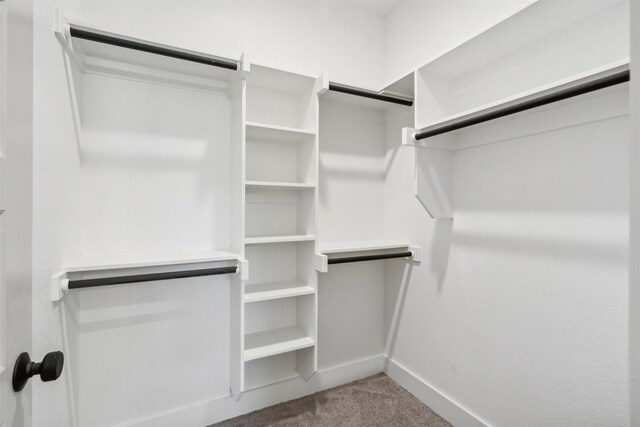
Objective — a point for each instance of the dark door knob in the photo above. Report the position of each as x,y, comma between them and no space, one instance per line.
49,369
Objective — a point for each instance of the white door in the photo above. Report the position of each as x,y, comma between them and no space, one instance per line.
16,123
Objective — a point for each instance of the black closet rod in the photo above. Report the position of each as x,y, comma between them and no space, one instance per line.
369,257
119,280
601,83
369,94
149,48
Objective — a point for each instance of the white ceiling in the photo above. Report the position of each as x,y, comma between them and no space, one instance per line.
380,7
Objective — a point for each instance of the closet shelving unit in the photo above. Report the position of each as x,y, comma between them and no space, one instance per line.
542,51
274,125
96,51
394,97
222,83
279,312
392,103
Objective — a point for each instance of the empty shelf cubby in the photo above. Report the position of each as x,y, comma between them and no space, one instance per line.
280,156
280,98
279,211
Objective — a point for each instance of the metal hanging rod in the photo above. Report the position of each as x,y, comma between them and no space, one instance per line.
136,278
370,94
369,257
149,48
601,83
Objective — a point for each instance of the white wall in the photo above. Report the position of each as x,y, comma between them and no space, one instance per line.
518,310
304,37
417,31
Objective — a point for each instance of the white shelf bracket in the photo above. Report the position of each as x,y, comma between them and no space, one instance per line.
59,286
61,29
433,180
243,269
322,84
321,263
408,137
417,253
244,66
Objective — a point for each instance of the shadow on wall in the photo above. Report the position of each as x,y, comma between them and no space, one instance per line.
397,279
147,156
440,249
18,421
69,323
589,250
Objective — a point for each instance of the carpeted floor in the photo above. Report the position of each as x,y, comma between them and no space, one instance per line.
373,401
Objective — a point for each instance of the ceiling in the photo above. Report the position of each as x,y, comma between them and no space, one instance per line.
380,7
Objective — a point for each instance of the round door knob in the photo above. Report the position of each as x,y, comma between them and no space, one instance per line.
49,369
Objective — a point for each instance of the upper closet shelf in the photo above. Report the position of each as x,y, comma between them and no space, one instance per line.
110,270
365,97
582,84
265,132
104,52
278,100
545,52
550,65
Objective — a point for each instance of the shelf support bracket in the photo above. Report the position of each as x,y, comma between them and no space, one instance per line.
321,263
59,286
243,269
433,176
417,254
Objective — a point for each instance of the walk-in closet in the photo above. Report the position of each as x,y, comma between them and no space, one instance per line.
319,213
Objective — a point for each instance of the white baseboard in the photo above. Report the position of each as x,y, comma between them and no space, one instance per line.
442,404
201,414
207,412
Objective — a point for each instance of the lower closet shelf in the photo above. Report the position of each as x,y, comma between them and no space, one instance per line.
275,341
274,290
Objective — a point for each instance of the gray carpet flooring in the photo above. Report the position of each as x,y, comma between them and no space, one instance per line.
373,401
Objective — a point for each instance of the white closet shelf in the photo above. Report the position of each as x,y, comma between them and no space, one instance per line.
115,269
340,97
275,341
87,264
104,52
255,240
275,290
262,131
360,246
559,85
404,86
275,184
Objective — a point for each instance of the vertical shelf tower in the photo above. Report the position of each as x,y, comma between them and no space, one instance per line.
276,320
